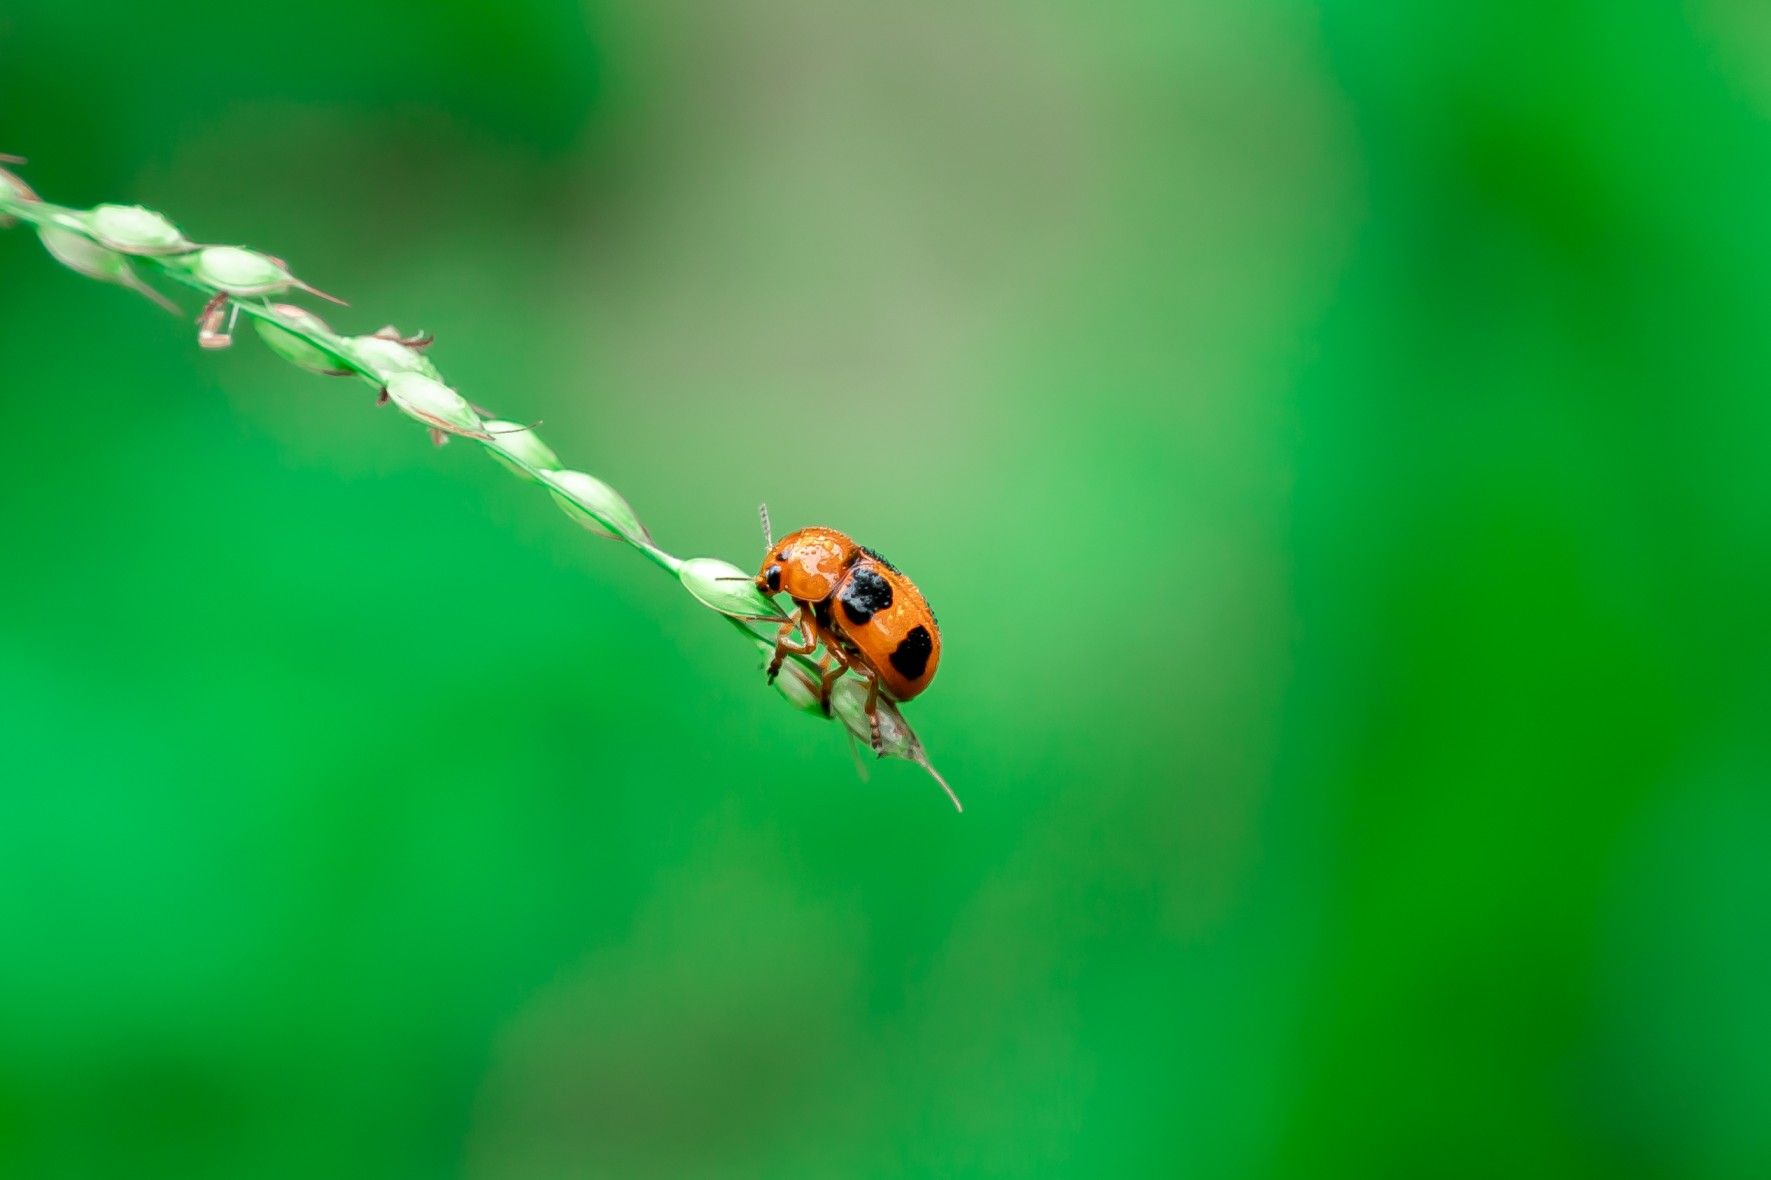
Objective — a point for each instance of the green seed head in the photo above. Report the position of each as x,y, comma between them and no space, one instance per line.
724,587
434,404
796,684
385,357
74,250
296,349
848,702
134,230
511,441
78,252
14,189
596,506
240,272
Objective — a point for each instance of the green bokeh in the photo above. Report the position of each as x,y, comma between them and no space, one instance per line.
1335,438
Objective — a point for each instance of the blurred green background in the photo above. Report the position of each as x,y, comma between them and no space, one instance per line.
1335,438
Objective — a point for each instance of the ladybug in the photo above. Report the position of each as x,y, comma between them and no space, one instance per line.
869,617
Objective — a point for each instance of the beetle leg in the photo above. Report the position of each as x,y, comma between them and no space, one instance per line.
831,675
783,647
873,714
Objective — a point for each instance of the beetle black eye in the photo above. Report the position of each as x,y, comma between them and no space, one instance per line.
772,578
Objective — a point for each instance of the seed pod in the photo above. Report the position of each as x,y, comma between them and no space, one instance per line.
848,702
385,357
596,506
801,691
724,587
246,272
298,350
435,404
14,189
130,229
76,251
513,442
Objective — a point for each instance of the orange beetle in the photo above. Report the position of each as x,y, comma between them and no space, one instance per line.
871,619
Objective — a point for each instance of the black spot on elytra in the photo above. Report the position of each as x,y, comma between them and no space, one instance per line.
881,558
912,655
864,595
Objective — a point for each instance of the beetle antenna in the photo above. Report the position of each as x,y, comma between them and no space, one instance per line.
762,510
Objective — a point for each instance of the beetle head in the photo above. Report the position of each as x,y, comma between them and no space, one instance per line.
808,564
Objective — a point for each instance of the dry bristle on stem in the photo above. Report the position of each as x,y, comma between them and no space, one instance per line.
9,159
156,296
210,333
417,342
321,294
934,774
860,766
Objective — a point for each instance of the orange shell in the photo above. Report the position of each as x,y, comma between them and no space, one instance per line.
874,612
